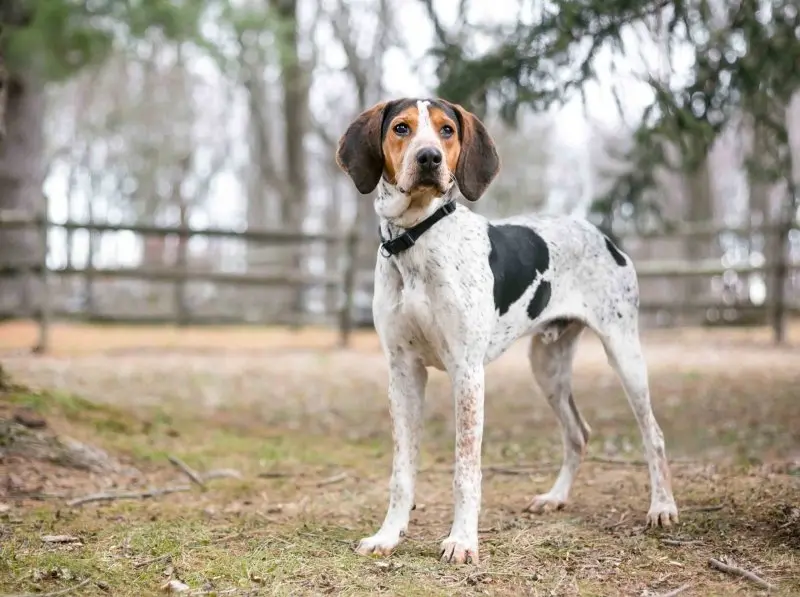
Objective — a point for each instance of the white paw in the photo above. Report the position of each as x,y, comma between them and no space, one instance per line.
379,545
458,551
546,502
662,514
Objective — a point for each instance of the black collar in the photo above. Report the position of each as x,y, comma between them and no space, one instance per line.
410,236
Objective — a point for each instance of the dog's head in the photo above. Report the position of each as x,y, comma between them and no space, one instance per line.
420,148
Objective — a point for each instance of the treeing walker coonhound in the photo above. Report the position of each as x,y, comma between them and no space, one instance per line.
454,291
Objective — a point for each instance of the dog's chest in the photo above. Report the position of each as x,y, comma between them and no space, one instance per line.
419,322
416,304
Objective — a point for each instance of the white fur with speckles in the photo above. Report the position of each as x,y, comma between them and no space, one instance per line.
434,306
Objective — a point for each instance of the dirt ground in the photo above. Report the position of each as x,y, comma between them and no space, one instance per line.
305,427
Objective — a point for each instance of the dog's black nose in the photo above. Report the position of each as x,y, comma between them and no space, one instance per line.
429,158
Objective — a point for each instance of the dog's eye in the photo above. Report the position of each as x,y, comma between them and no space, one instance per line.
447,131
401,129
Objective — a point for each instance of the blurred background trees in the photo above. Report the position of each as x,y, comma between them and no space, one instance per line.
643,115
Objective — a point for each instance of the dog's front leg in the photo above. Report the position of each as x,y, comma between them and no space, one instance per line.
462,544
407,379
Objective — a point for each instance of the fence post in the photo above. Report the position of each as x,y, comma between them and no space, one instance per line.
348,286
781,268
182,261
89,274
43,343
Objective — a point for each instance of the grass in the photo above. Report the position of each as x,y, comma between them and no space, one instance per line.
729,411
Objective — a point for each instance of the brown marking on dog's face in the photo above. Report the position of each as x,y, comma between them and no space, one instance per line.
421,147
395,145
451,143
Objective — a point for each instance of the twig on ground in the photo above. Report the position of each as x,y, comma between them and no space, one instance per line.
502,470
713,508
147,562
622,461
222,473
619,523
225,538
737,571
679,542
60,539
334,479
273,475
186,470
675,592
127,495
83,583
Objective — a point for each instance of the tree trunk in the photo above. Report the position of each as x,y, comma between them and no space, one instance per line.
295,112
333,222
699,208
761,204
21,172
182,308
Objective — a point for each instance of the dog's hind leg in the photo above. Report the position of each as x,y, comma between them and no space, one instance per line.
551,354
624,353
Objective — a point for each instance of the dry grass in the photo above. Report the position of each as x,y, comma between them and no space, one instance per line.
727,401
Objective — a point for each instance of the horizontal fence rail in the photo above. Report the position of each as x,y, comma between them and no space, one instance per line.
346,280
18,220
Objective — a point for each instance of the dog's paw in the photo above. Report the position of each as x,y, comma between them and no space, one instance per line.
546,502
662,514
377,545
457,551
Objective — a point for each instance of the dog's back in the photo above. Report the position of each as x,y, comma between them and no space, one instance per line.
577,272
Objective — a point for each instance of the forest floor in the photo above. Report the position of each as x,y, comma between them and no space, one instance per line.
298,438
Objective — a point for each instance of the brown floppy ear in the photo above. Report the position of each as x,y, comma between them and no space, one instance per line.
360,154
478,162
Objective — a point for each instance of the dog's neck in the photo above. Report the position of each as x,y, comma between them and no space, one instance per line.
397,212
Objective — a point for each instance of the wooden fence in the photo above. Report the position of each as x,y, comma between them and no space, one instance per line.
180,274
345,280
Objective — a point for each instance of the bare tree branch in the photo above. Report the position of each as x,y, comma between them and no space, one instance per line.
254,85
441,32
341,23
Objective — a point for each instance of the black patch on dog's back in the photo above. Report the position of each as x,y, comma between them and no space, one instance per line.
518,255
615,253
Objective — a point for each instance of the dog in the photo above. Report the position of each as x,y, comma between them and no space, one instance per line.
454,290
